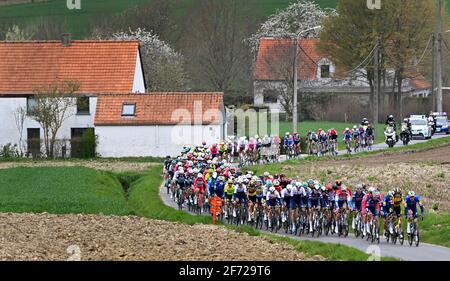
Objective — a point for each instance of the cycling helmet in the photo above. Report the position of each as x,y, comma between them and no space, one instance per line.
355,127
390,193
359,186
272,189
405,120
316,187
266,174
411,194
329,186
214,175
371,189
269,184
344,189
391,116
199,175
287,133
310,182
347,129
323,188
249,176
221,178
338,182
397,191
276,182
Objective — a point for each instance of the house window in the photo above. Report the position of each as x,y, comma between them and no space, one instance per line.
31,105
129,109
83,106
325,71
270,96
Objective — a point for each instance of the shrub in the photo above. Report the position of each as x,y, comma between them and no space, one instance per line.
9,151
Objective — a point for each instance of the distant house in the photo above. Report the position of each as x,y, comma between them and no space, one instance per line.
158,124
112,90
316,74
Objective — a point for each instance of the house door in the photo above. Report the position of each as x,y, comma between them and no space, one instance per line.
34,142
81,147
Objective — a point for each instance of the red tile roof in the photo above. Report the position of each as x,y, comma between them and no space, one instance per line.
417,80
276,51
160,109
100,66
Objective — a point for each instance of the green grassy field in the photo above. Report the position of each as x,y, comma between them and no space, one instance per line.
60,190
77,21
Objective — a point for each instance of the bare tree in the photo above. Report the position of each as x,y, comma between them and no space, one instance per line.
217,56
52,108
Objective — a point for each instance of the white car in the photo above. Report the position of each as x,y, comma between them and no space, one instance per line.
420,127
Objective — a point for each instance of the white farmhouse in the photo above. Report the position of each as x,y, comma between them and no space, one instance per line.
158,124
316,74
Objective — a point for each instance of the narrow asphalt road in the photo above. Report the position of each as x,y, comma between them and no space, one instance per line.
425,251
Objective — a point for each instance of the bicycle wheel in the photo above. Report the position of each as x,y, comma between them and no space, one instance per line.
416,237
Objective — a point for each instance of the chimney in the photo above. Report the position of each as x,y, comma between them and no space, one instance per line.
65,40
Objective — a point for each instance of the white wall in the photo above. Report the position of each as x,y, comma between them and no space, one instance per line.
10,134
157,141
138,83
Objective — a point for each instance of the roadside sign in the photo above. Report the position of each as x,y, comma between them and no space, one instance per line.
216,207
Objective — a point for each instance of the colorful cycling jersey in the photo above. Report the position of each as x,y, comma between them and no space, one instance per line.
347,135
285,193
398,201
411,204
357,200
388,203
342,197
272,195
298,191
229,189
315,199
220,187
200,184
240,192
373,203
251,191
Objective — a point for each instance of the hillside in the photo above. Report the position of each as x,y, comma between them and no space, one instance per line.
77,21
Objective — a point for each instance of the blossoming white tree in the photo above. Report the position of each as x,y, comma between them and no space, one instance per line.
287,23
163,66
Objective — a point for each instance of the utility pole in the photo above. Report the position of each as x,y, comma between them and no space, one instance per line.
377,83
433,75
438,62
294,110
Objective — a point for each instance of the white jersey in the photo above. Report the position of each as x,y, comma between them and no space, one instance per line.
285,193
298,191
274,195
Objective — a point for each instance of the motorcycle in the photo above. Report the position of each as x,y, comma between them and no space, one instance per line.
390,136
405,136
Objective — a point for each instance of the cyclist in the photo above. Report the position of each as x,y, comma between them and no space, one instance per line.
398,202
315,202
297,192
296,139
373,207
347,136
240,195
411,202
272,201
220,187
229,192
286,197
334,137
251,193
388,209
343,202
358,197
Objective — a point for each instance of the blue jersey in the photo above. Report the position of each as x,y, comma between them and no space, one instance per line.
357,200
388,203
220,187
411,204
348,135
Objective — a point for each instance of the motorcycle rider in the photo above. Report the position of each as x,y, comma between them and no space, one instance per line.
390,122
406,127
